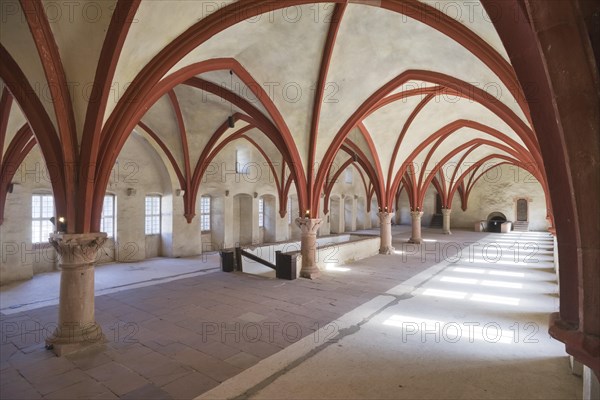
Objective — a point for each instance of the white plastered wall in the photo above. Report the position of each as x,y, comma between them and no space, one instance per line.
497,191
19,258
230,191
345,203
135,174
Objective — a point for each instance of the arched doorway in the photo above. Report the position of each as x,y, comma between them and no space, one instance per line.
495,221
269,218
361,214
438,204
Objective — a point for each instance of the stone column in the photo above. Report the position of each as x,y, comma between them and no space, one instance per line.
385,229
416,227
446,221
308,246
77,327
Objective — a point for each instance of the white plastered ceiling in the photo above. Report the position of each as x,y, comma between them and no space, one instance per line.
16,37
282,51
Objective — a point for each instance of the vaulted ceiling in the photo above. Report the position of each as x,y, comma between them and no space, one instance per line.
413,92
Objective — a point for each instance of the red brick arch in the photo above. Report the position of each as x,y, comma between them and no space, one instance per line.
278,133
461,87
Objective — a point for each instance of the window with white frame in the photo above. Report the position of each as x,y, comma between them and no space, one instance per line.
205,213
261,212
289,210
42,209
107,220
153,215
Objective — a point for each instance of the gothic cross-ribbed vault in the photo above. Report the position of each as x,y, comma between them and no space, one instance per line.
414,95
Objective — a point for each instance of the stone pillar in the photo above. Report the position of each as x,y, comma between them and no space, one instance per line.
308,246
77,327
385,229
446,221
416,227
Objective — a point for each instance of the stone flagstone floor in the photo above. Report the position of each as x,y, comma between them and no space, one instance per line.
181,338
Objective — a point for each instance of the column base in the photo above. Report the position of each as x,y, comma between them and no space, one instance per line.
74,340
415,241
387,250
310,274
447,233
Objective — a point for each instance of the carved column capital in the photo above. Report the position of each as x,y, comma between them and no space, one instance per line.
385,217
77,249
309,226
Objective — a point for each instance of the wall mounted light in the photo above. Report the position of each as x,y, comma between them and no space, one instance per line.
61,226
255,194
227,193
179,192
307,214
131,192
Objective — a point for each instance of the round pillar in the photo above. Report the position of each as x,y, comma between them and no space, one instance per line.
416,227
308,246
446,221
385,229
77,327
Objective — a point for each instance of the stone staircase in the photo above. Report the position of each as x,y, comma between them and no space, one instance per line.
437,221
521,226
